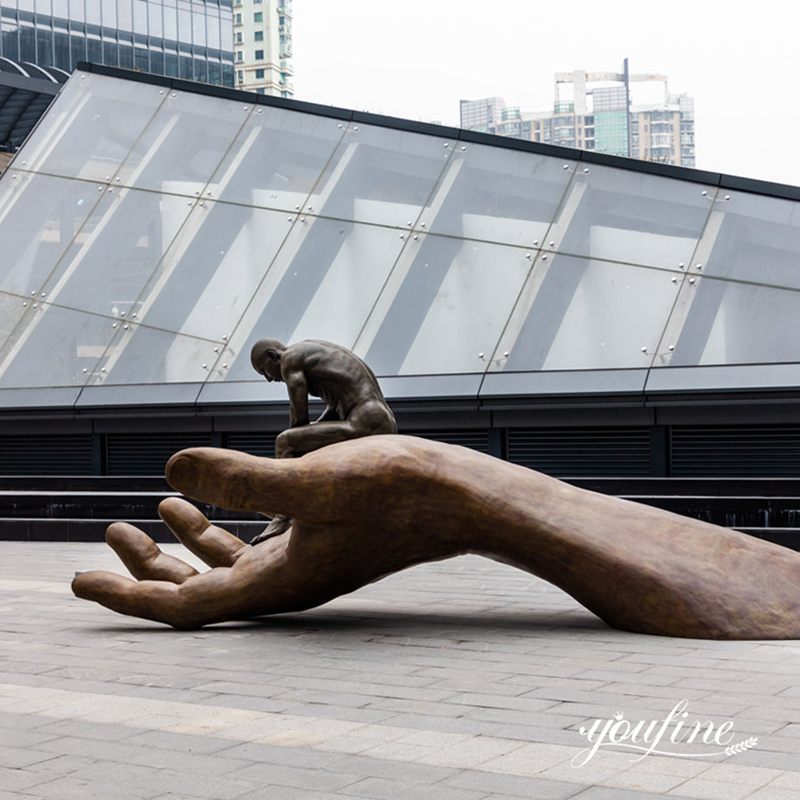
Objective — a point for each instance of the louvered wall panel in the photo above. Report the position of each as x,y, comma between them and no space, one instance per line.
475,439
582,452
740,451
147,453
46,455
257,444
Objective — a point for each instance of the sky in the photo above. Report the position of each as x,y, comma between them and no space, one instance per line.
418,58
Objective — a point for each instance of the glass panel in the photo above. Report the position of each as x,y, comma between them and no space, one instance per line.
184,144
12,309
497,194
53,346
576,313
322,285
621,215
39,216
117,251
449,308
90,128
212,270
285,149
723,322
141,355
380,175
754,238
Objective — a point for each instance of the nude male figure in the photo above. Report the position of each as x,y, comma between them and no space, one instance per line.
355,405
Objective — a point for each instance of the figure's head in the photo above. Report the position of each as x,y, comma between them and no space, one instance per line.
266,358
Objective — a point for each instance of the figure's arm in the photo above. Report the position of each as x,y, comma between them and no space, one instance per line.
298,398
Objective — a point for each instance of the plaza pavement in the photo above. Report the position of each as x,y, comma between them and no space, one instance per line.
461,680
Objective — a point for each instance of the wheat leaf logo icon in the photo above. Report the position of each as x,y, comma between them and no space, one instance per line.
740,747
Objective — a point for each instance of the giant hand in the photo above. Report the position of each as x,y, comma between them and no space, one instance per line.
366,508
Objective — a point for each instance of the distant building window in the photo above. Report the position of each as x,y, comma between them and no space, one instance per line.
259,74
239,55
238,19
261,90
258,16
238,39
240,76
259,55
259,36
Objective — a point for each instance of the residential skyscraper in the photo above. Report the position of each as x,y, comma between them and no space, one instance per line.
598,115
192,40
262,31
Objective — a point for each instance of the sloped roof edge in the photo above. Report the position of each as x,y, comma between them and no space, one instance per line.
724,180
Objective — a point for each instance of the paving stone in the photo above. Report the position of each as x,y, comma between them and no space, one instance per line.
462,680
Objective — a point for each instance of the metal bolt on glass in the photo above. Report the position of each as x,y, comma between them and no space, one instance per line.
671,347
544,258
674,280
681,265
698,266
704,193
463,148
355,127
586,169
691,280
445,145
644,349
205,366
727,197
528,256
566,166
416,236
505,354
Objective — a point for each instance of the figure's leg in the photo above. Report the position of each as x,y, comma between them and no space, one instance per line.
297,442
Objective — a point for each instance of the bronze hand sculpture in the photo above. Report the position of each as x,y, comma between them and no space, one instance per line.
354,403
367,508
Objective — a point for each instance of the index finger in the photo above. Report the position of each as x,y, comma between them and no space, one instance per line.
241,482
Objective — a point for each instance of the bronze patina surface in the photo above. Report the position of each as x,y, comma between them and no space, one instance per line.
354,403
369,507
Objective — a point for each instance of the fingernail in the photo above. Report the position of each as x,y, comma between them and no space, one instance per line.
182,472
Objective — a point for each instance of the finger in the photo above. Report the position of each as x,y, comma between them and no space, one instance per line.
149,599
215,546
142,556
242,482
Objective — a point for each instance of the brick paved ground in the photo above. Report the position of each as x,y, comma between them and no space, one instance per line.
463,680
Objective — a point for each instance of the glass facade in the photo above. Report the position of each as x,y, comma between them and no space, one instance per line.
149,241
190,39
